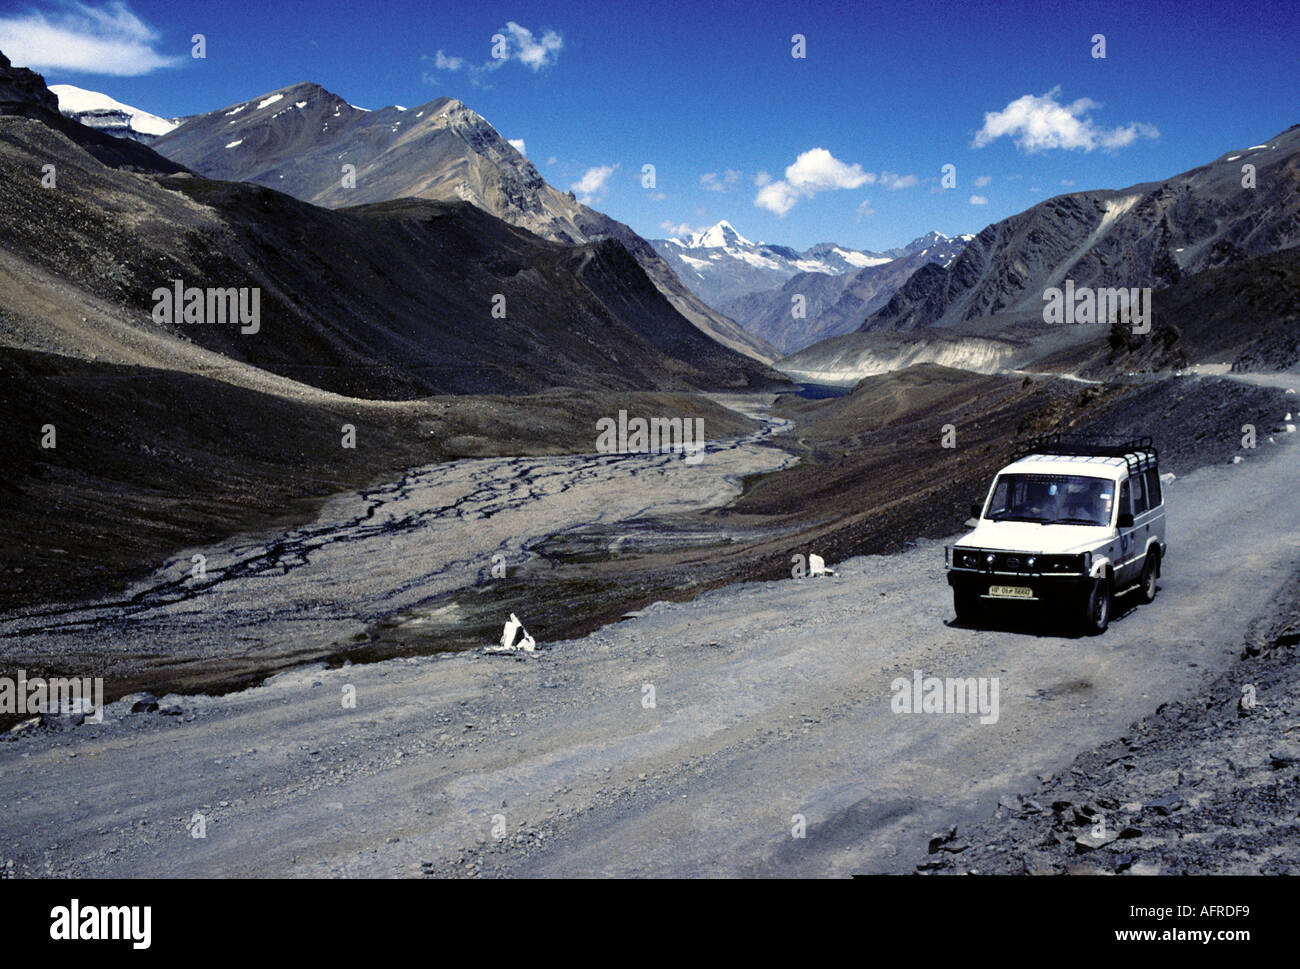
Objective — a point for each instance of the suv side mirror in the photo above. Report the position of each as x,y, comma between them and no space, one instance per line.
975,511
1125,520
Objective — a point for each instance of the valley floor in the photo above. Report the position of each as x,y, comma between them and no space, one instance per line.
376,563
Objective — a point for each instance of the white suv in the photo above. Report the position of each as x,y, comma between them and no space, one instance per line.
1069,524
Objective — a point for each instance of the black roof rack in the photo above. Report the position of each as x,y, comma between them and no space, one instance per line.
1133,451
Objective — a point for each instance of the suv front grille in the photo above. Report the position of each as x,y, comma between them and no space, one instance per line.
1016,563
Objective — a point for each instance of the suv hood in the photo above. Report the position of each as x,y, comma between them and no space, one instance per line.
1032,537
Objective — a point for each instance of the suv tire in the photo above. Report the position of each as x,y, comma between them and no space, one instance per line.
1097,608
1150,571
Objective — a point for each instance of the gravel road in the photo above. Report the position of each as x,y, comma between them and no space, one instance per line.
770,701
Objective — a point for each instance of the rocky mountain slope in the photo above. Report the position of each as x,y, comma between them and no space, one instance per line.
300,138
1151,234
1243,317
391,300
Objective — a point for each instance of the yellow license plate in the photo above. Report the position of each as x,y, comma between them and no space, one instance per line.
1011,592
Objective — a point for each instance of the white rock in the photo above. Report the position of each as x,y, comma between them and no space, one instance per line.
508,644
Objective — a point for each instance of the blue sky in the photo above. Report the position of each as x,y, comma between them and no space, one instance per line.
851,138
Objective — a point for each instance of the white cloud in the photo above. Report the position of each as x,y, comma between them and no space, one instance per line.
865,211
776,197
552,160
982,180
657,196
816,170
444,63
518,145
762,178
593,184
893,180
1037,123
534,53
519,44
714,182
109,39
978,200
678,228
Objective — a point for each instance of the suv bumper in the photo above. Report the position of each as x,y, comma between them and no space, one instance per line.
1049,589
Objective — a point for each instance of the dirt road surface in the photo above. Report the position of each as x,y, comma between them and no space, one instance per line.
684,741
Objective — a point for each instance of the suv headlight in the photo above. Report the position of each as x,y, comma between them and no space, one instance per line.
964,558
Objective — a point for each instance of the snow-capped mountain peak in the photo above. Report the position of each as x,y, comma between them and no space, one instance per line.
96,110
721,264
720,236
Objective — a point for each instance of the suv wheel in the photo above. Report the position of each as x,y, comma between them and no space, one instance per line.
1096,615
1150,570
967,607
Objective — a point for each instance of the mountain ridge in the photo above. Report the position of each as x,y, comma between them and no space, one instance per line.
1145,235
298,139
371,301
720,265
833,305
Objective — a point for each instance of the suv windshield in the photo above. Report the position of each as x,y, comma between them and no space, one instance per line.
1052,499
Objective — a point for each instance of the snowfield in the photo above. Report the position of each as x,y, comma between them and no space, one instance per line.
74,101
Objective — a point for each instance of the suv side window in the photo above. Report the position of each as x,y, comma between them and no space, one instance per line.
1139,494
1155,498
1125,499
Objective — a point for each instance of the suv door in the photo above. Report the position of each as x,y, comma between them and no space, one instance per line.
1129,565
1156,499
